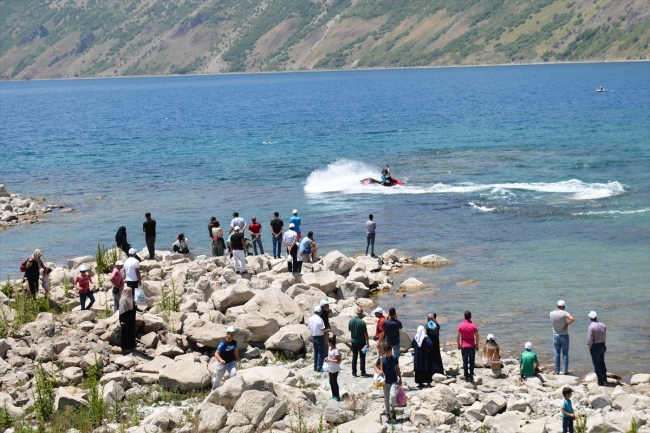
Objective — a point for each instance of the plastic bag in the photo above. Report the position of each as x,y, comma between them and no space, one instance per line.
401,399
378,380
365,349
139,297
326,367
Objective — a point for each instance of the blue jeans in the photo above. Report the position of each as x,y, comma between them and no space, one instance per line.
82,300
318,351
567,425
598,358
277,245
561,344
469,355
395,350
257,241
371,241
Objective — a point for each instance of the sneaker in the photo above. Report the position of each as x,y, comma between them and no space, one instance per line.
321,370
393,415
337,398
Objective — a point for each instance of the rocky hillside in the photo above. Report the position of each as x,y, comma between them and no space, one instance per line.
106,38
62,369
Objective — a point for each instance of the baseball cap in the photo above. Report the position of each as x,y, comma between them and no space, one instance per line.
378,310
291,225
253,218
132,251
230,330
295,211
528,345
561,303
324,302
83,268
119,263
317,309
237,228
593,315
490,337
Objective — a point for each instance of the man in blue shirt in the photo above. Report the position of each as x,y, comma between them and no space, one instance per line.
227,356
388,365
295,220
308,248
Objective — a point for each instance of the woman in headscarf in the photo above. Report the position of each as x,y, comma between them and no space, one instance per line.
120,240
422,346
433,332
127,319
33,271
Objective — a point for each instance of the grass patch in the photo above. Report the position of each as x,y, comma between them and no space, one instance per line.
106,258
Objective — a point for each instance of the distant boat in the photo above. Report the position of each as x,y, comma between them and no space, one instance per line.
601,89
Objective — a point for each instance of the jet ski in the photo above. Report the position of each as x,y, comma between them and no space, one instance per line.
372,181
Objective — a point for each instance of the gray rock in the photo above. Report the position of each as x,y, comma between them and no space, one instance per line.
232,296
638,379
411,284
494,404
337,262
69,396
370,423
432,260
353,290
212,418
261,327
184,375
393,255
600,401
112,393
325,281
274,303
290,337
254,404
78,261
4,344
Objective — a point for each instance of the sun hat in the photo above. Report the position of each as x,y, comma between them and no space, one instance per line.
230,330
528,345
119,263
83,269
561,303
295,211
317,309
324,302
378,310
291,225
490,337
132,251
593,315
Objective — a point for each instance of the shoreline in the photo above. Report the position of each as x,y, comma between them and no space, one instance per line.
16,210
486,65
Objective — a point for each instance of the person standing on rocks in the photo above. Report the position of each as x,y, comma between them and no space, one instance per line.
227,356
560,320
211,225
127,310
120,240
467,340
596,341
237,245
290,240
255,229
379,329
388,365
422,347
296,221
118,284
33,268
567,411
277,225
325,315
334,366
433,332
318,330
371,227
149,229
390,333
237,221
132,270
359,338
83,284
528,363
218,244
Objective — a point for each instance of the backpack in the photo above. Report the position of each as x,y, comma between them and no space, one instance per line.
23,265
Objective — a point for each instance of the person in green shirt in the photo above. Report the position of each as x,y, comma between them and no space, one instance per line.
528,363
359,333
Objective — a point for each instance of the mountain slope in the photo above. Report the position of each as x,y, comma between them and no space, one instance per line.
87,38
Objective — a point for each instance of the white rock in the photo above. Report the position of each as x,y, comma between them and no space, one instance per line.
370,264
370,423
231,296
638,379
290,337
411,283
274,303
78,261
394,255
353,290
600,401
185,375
337,262
432,260
69,396
254,404
325,281
112,393
494,404
262,327
212,418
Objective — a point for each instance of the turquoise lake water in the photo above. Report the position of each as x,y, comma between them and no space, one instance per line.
531,182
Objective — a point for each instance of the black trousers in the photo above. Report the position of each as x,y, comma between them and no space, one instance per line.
293,264
356,352
468,353
334,384
151,246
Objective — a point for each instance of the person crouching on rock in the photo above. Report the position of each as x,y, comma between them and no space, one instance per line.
227,356
182,245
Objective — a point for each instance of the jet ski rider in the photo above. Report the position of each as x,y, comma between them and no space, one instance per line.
386,178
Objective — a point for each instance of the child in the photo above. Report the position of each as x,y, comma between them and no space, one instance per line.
389,366
567,411
334,360
46,280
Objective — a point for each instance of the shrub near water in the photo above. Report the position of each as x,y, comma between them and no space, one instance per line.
105,259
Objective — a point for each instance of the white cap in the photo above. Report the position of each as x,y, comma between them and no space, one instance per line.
561,303
528,345
230,330
291,225
119,263
237,228
378,310
295,211
593,315
83,268
490,337
317,309
132,251
324,302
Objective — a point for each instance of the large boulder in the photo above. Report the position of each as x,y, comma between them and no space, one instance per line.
290,337
432,260
640,378
370,423
393,255
185,375
411,284
495,404
309,299
212,418
211,334
261,327
325,281
442,397
353,289
69,396
370,264
254,405
231,296
38,329
274,303
78,261
337,262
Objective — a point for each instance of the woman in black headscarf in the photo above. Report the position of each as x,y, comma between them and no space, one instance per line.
120,240
127,319
433,332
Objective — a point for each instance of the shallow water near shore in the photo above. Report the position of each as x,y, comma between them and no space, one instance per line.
533,184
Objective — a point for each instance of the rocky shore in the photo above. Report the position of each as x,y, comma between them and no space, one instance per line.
16,209
164,385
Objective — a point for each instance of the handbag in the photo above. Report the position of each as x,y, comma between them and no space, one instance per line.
139,297
401,399
379,379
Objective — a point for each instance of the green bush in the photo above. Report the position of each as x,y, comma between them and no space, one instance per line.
43,394
106,259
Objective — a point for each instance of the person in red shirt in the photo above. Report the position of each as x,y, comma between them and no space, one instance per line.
379,314
255,229
83,284
467,339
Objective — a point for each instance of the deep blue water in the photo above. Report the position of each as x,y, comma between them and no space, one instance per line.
534,184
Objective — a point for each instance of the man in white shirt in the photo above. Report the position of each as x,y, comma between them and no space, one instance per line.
290,239
132,270
318,330
237,221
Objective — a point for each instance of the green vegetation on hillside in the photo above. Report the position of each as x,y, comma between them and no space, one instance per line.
64,38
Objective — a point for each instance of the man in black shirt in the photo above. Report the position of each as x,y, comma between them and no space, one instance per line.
211,225
237,245
325,315
276,234
390,334
149,229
